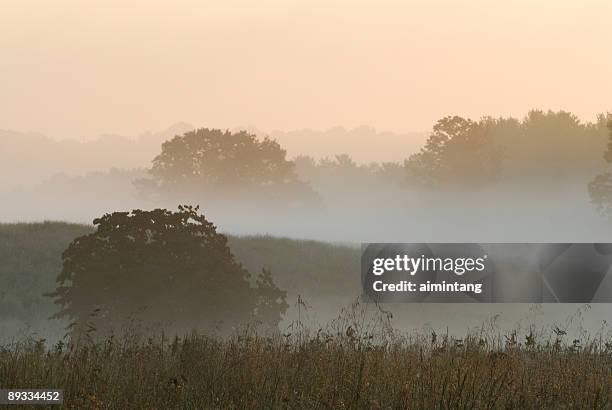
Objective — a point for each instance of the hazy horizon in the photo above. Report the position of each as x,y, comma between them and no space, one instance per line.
72,69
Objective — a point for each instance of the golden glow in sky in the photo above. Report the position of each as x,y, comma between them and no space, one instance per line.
74,68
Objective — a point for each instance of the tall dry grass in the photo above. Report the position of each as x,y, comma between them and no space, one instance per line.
357,361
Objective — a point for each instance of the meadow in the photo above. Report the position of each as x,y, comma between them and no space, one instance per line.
351,364
357,360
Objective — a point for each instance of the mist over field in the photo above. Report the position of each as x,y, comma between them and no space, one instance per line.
540,195
189,189
527,181
360,200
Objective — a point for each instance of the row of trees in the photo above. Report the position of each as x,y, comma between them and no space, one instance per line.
600,189
458,152
552,146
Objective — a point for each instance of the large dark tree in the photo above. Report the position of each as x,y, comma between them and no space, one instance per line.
459,151
600,189
161,267
220,162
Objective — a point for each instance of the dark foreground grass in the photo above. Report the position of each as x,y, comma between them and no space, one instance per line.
345,368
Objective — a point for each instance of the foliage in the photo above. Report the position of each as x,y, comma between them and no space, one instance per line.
600,189
211,161
341,175
459,151
31,260
551,145
164,268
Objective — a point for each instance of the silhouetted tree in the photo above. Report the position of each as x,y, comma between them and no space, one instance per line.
221,162
600,189
459,151
162,267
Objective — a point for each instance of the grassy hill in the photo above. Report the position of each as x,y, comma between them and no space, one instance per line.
30,259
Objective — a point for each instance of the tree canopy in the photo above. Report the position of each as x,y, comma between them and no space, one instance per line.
551,145
458,151
600,189
161,267
211,159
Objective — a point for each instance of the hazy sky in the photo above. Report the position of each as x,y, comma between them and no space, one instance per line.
75,68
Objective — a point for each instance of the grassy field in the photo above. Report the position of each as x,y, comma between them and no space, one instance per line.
357,360
344,367
30,259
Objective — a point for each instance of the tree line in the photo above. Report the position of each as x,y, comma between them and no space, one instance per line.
459,152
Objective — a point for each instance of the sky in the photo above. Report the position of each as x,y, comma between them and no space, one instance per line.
79,68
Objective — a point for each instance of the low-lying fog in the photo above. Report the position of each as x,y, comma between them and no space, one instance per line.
366,214
351,211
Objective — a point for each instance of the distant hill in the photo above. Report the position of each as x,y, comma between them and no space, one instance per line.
30,158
